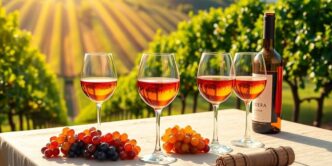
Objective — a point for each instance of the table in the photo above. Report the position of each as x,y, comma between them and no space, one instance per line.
312,146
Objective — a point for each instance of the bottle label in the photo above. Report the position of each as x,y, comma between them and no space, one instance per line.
262,107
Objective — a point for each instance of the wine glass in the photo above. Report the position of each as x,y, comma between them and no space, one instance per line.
214,80
98,78
158,84
249,83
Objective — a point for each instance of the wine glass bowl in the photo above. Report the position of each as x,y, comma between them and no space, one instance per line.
248,85
248,88
158,92
215,89
98,89
98,79
158,84
215,82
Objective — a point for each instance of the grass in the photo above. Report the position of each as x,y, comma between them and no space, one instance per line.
6,127
308,109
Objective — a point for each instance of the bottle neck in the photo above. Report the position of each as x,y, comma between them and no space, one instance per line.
268,35
268,44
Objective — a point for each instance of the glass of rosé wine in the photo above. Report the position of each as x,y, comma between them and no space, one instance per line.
248,86
98,78
215,80
158,84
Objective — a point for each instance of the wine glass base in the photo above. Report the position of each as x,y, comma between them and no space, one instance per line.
248,143
217,148
158,158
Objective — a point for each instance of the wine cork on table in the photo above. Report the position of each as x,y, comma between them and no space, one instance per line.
281,156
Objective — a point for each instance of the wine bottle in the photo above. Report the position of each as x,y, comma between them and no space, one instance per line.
267,107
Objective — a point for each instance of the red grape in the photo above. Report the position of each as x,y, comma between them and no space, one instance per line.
64,152
206,149
66,146
131,155
92,129
53,145
71,139
43,149
96,140
109,137
48,153
99,132
91,148
65,130
87,139
110,146
124,137
94,133
116,135
80,136
71,132
128,147
123,155
55,152
53,138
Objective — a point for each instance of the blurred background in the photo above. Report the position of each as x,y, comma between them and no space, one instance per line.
44,41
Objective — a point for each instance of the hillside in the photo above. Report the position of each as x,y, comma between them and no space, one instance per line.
64,30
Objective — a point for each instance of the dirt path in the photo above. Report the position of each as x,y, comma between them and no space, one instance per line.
67,65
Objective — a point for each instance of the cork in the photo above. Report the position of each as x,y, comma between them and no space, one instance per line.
281,156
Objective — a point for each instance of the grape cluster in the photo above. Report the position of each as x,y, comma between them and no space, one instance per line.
91,144
184,141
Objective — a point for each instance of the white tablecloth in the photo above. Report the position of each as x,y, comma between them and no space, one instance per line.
312,146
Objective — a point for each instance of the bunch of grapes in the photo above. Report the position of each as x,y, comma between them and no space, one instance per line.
184,141
91,144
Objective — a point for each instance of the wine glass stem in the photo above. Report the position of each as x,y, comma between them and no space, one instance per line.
247,127
215,124
98,115
157,148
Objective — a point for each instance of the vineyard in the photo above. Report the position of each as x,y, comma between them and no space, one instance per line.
64,29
